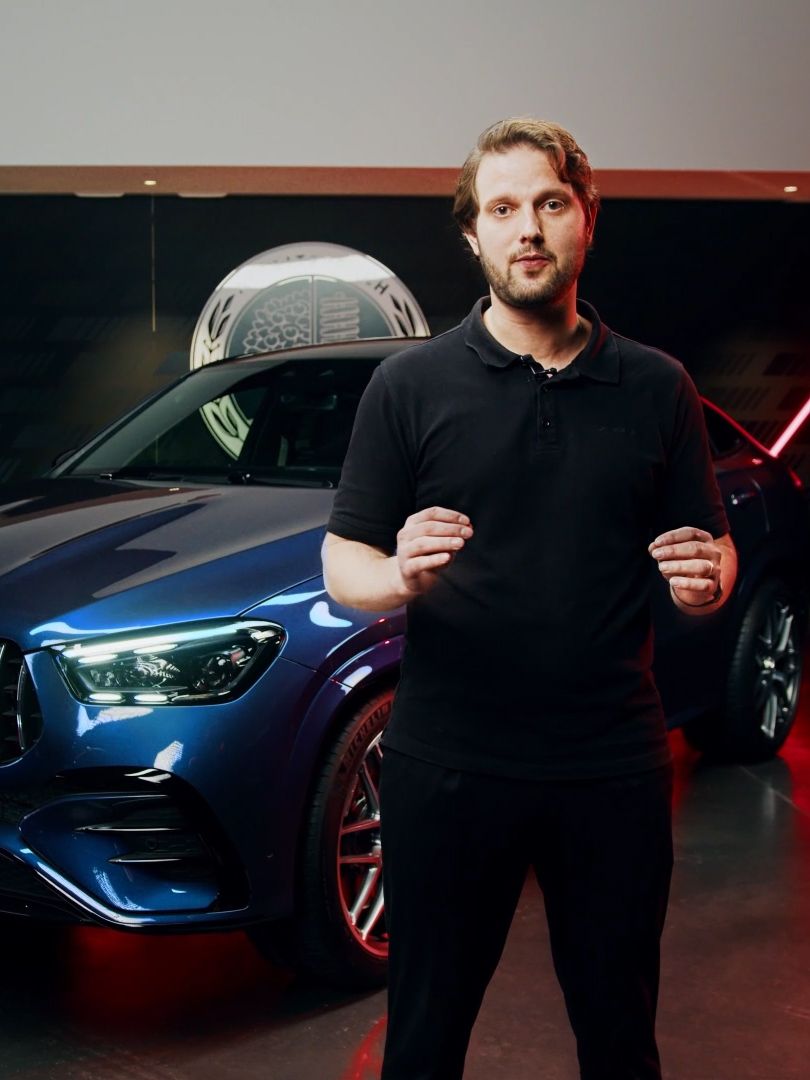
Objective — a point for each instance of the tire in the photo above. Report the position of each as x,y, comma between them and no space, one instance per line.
338,932
762,690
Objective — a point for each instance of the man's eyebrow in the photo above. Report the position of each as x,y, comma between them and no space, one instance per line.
546,193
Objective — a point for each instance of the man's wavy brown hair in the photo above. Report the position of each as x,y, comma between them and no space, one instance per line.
568,160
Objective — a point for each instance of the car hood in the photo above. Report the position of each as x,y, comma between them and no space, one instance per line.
87,556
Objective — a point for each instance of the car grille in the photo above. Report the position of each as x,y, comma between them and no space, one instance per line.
20,714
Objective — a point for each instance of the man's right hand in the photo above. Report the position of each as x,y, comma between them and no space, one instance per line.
426,543
370,579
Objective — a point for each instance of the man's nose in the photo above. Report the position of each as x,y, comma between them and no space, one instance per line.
530,227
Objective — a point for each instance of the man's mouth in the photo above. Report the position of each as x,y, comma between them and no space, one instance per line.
533,259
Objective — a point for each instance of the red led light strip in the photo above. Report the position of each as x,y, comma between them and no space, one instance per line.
791,429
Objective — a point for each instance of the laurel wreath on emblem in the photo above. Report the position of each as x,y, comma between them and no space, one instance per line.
404,316
222,416
217,322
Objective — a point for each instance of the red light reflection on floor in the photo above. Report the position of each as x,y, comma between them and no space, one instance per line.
796,752
164,981
685,759
796,755
367,1059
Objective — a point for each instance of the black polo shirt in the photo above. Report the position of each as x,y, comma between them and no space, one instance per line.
531,657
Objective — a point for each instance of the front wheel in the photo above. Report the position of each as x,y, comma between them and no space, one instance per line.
764,678
339,931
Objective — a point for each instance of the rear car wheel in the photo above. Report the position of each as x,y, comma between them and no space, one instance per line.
764,677
339,932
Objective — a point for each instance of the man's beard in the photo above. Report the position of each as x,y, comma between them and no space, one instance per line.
555,282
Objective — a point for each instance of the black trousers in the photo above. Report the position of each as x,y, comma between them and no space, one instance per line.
457,850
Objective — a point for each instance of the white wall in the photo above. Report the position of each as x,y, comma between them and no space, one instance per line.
661,84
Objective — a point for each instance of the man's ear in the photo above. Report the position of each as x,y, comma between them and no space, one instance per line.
472,240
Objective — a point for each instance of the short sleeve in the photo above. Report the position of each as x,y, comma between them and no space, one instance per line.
691,495
376,490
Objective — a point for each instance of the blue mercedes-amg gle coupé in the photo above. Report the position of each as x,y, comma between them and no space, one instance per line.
190,726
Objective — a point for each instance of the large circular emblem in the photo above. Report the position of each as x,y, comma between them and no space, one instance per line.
304,294
297,294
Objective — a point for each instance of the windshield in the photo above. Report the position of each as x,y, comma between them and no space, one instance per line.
288,422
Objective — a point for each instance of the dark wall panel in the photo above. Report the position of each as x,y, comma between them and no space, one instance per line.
99,297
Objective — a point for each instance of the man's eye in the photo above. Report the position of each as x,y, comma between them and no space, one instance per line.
554,204
500,211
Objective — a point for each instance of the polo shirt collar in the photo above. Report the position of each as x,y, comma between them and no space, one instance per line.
598,360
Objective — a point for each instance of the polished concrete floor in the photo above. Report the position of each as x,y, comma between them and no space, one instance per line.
97,1005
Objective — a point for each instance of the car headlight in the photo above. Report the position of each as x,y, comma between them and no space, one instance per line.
171,666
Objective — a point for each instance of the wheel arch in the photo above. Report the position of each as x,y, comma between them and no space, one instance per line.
773,562
356,681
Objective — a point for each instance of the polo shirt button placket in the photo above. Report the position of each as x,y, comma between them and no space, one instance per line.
545,408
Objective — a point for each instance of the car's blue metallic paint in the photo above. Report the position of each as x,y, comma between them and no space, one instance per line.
322,633
59,833
110,557
143,565
207,746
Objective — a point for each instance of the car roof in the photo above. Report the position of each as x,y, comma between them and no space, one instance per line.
366,348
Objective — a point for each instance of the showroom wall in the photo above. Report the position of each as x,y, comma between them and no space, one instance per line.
83,335
697,84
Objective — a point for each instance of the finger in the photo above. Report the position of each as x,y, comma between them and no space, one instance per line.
436,528
440,513
701,585
677,536
692,568
427,545
690,549
419,564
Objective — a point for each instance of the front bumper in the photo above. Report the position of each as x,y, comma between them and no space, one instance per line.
154,817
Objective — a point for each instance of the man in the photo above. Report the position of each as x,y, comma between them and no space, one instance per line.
512,481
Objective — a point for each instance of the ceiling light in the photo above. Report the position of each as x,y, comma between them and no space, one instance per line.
150,183
791,188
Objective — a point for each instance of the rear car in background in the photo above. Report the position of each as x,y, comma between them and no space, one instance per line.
191,726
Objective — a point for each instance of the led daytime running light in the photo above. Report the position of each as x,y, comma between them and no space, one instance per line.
176,665
160,641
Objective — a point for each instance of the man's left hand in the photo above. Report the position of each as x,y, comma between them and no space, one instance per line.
690,559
